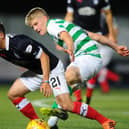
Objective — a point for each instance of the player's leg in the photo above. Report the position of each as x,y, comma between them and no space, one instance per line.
87,70
82,109
76,90
90,113
104,75
17,93
102,79
53,119
106,54
86,111
61,92
112,76
90,88
65,101
78,95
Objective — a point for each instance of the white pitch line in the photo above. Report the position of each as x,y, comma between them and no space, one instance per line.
120,112
42,102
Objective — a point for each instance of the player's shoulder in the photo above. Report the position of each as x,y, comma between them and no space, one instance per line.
55,20
21,36
22,39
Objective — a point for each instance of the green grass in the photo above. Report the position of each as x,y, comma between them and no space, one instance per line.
114,105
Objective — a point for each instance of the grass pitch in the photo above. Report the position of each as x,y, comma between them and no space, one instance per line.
114,105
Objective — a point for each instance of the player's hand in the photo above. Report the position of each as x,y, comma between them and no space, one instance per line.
71,54
122,50
46,89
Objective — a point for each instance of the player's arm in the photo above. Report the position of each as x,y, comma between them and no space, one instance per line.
45,64
33,49
122,50
61,33
109,21
65,36
70,11
69,17
59,48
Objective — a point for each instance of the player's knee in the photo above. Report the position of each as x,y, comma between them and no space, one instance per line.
11,95
67,106
67,77
72,75
103,75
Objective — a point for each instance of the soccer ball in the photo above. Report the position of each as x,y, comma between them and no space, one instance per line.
37,124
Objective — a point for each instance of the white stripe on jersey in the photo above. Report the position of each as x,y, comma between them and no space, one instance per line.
76,32
87,45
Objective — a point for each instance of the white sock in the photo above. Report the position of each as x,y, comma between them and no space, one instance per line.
52,121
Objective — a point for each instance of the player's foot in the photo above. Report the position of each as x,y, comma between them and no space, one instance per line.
54,127
109,124
54,112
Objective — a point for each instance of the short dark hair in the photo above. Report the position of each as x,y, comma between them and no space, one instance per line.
2,29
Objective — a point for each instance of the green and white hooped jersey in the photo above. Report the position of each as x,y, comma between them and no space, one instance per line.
83,45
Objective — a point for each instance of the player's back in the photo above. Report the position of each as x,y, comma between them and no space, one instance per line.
23,51
87,13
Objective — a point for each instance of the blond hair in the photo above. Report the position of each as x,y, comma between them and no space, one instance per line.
34,12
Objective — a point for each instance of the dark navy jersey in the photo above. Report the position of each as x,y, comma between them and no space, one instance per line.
23,51
103,24
87,12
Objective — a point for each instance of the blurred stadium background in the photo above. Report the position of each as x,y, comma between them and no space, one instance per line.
12,14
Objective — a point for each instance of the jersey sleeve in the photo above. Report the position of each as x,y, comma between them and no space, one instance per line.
54,29
25,45
33,50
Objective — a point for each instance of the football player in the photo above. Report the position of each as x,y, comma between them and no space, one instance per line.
87,14
84,54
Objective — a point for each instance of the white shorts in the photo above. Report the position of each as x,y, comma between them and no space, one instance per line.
89,66
57,80
106,53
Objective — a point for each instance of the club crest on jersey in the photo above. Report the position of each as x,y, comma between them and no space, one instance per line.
28,49
96,2
86,11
